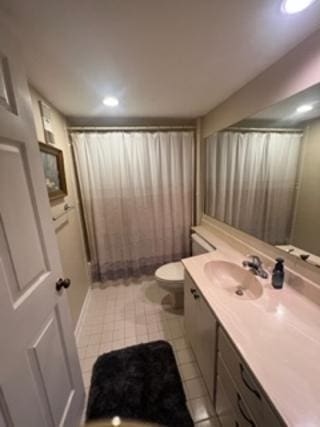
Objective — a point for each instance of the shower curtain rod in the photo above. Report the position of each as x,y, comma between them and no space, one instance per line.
285,130
128,128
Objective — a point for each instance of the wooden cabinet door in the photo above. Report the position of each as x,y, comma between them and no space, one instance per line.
206,343
190,314
200,326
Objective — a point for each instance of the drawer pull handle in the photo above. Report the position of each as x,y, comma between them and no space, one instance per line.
242,411
242,371
194,293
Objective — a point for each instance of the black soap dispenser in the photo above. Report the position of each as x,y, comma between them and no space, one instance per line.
278,274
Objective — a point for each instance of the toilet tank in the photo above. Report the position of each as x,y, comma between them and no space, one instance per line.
199,245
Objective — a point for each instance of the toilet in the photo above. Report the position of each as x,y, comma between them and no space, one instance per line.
171,276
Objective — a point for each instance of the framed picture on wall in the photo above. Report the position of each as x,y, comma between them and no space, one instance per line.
53,166
45,112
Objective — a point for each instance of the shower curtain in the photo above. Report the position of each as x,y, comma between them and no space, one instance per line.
251,181
136,190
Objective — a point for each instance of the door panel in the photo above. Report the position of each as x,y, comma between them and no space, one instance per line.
200,325
190,314
47,357
40,377
5,418
27,254
206,353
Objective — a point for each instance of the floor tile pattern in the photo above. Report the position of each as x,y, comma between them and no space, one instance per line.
132,313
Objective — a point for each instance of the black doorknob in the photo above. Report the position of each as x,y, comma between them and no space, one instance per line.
62,283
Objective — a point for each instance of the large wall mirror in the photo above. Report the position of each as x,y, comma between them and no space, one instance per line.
263,175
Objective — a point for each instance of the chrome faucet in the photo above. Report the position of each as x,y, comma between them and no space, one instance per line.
255,265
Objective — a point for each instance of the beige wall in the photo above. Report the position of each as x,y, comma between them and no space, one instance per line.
296,71
306,228
68,228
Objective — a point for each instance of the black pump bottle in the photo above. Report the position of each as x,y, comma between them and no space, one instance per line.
278,274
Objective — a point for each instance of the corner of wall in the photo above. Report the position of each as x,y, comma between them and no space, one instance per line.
294,72
68,228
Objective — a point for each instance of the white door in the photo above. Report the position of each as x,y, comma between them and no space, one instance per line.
40,379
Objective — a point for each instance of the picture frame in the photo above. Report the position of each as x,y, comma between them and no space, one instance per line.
45,112
53,166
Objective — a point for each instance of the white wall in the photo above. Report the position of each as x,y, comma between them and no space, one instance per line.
68,228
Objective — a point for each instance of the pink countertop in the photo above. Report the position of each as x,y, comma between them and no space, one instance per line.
277,334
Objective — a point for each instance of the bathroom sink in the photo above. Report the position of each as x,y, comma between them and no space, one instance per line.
233,279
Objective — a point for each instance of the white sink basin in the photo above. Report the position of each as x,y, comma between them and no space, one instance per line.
233,279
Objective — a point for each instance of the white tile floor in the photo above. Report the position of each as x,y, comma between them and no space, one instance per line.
123,315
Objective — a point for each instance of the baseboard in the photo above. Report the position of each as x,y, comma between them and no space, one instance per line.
82,314
96,285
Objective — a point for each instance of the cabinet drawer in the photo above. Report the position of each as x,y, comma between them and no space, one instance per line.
224,408
243,416
246,383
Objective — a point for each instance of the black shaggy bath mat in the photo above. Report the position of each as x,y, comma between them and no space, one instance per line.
141,382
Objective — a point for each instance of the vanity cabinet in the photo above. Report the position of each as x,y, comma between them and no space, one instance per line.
231,408
201,327
250,405
238,398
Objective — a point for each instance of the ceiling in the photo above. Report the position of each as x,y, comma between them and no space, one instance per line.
167,58
284,114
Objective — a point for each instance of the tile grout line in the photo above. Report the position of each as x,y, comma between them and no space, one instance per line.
113,312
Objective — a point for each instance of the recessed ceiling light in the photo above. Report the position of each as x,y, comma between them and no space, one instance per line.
304,108
110,101
295,6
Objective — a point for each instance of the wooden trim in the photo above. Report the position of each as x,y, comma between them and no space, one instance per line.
81,208
130,128
82,314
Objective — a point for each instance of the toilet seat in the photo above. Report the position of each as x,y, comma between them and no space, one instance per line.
171,273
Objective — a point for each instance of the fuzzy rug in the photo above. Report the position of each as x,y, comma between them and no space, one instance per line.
141,382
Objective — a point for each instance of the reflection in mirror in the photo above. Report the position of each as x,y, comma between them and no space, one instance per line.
263,175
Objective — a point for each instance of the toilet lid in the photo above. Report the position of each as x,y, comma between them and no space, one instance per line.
172,272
